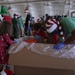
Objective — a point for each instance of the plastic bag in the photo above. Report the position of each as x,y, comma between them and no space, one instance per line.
69,54
17,47
47,49
44,49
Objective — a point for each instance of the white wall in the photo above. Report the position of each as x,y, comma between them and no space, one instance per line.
39,9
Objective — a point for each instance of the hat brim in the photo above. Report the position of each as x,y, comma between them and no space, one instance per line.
52,28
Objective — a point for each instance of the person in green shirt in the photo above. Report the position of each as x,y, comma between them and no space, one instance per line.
68,27
15,26
21,25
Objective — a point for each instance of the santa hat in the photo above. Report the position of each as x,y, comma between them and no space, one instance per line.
51,25
39,19
61,31
3,10
7,72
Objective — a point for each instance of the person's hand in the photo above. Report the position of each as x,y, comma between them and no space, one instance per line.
16,40
59,46
37,37
29,28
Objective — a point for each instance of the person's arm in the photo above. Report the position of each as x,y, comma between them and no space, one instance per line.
29,23
70,39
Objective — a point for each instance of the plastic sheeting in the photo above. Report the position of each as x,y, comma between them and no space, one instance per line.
45,49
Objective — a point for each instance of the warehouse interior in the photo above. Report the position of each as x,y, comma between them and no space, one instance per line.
25,50
39,7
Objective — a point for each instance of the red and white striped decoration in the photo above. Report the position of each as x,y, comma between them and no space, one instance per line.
50,25
61,31
53,22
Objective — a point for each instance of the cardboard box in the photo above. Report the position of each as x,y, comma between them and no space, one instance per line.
30,63
23,70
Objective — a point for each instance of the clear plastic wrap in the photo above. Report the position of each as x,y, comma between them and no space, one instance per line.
45,49
17,47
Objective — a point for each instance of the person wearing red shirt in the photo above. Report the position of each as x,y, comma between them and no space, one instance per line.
7,18
5,36
7,23
38,33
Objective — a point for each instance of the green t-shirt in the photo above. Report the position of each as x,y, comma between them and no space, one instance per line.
68,25
20,22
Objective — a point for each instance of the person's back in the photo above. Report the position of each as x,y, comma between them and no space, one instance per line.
68,25
14,20
21,26
7,18
28,25
15,26
27,19
20,22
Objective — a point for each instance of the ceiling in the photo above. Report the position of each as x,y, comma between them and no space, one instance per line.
29,1
6,2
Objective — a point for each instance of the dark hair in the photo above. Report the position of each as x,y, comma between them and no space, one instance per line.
37,26
6,28
65,16
46,14
2,15
14,15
